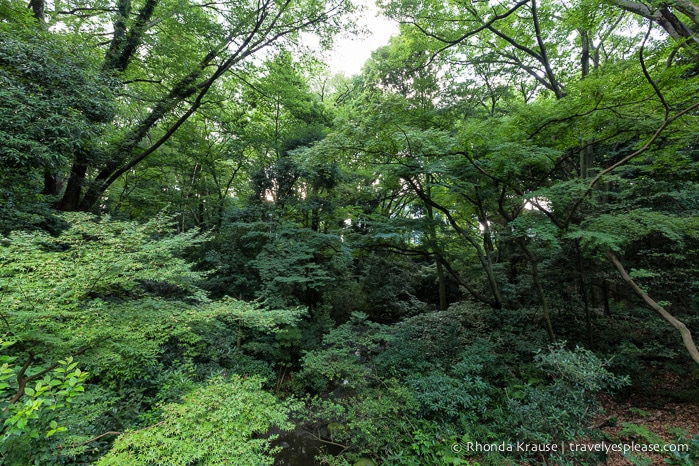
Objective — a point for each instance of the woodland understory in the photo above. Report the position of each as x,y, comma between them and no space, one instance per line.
209,242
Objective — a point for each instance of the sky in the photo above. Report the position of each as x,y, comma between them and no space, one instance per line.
349,54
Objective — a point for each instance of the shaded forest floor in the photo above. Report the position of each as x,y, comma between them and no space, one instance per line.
663,421
659,412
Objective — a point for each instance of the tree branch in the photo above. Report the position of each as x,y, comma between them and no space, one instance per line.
680,326
23,381
626,159
648,76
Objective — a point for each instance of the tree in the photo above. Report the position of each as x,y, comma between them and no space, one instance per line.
53,104
604,103
119,299
679,19
234,412
206,42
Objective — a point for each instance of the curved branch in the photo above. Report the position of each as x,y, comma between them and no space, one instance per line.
626,159
544,55
451,42
680,326
484,26
96,438
647,74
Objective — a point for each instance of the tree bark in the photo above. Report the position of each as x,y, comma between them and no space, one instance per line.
664,17
71,197
483,256
585,56
539,289
680,326
435,249
125,43
37,7
442,287
544,54
264,30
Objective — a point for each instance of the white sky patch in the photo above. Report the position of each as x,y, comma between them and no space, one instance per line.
350,53
537,202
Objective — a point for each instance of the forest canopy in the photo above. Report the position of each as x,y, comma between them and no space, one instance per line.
210,245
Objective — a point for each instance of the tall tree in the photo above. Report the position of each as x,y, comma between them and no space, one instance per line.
168,56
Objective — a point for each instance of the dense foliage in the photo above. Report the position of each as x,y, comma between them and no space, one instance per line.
207,242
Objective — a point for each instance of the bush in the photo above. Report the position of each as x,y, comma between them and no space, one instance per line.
220,423
446,398
345,356
558,409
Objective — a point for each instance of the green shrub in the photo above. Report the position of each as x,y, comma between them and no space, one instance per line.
33,413
221,423
446,398
431,444
345,356
372,421
558,409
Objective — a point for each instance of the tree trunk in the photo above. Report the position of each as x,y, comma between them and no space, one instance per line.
585,56
680,326
442,287
539,289
684,35
37,7
50,184
71,197
435,249
605,298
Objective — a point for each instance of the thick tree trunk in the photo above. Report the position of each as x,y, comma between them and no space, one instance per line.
124,43
435,249
122,47
50,185
470,288
37,7
605,298
71,197
585,57
543,55
683,34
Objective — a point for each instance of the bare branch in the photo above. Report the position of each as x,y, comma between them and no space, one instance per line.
648,76
680,326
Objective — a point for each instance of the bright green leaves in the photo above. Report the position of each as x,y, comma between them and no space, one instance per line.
172,58
252,317
120,295
214,425
405,67
117,289
622,230
53,392
90,260
282,112
7,372
34,405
